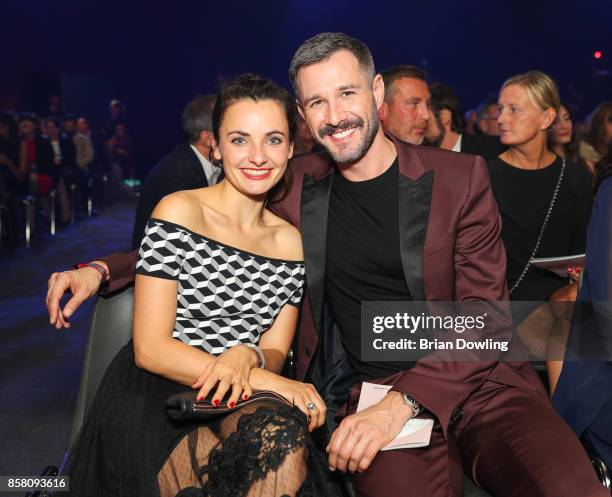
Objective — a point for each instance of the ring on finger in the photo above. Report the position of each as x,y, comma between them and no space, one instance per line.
311,406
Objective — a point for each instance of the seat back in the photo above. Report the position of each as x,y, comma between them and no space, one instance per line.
110,329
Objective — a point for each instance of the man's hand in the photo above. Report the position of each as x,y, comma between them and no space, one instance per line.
82,283
360,436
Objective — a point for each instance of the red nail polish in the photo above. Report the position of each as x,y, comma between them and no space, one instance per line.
570,270
245,397
231,404
199,399
578,270
215,402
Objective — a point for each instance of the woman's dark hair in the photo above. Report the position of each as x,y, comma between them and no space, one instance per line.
603,169
257,88
571,148
595,133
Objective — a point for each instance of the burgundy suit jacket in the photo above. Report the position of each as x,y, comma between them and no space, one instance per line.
451,250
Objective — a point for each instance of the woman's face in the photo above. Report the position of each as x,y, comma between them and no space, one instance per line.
560,132
520,120
27,129
254,145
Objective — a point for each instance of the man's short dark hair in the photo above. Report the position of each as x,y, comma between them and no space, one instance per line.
321,47
197,116
443,97
393,73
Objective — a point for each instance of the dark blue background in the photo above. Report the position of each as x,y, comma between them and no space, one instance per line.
155,55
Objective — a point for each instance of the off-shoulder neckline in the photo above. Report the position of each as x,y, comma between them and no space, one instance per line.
221,244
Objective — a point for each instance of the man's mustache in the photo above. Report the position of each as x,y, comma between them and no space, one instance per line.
328,129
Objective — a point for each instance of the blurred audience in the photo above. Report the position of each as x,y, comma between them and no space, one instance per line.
58,152
64,155
598,135
36,156
470,118
69,125
488,113
85,153
121,154
445,127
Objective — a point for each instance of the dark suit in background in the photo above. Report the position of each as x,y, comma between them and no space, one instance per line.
180,170
484,145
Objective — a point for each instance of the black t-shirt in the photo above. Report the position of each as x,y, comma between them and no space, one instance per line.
523,197
363,259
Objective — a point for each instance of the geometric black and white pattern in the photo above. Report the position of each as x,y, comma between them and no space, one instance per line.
226,296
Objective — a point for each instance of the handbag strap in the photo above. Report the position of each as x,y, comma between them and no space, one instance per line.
542,229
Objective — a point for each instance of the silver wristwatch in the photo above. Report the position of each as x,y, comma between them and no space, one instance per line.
261,361
413,404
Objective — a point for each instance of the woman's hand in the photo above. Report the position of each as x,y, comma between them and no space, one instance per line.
303,396
229,370
573,273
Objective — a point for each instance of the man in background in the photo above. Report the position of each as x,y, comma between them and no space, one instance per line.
405,110
445,128
487,117
187,167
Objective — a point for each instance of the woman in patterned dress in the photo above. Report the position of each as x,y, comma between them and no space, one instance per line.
219,281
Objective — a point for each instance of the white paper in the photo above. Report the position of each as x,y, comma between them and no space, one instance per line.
559,265
415,433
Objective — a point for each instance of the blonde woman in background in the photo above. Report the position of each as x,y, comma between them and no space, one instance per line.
525,179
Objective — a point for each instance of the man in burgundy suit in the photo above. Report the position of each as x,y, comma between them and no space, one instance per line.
385,220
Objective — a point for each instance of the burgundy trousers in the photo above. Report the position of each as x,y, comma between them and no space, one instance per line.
509,440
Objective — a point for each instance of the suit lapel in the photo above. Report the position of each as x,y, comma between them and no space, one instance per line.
415,190
313,225
414,204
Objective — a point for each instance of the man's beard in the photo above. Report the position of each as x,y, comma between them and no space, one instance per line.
347,156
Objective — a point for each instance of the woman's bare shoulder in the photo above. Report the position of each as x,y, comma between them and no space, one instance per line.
182,207
287,237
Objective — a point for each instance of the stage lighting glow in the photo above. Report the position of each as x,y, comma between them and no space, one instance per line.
597,54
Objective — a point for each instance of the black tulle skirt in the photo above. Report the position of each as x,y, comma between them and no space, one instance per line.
127,442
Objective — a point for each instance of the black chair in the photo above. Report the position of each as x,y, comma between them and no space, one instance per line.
111,329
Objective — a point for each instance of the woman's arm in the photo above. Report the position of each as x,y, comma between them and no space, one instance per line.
154,348
275,344
276,341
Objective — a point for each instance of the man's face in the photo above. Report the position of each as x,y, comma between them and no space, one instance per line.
52,130
340,105
69,126
82,125
488,122
407,113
